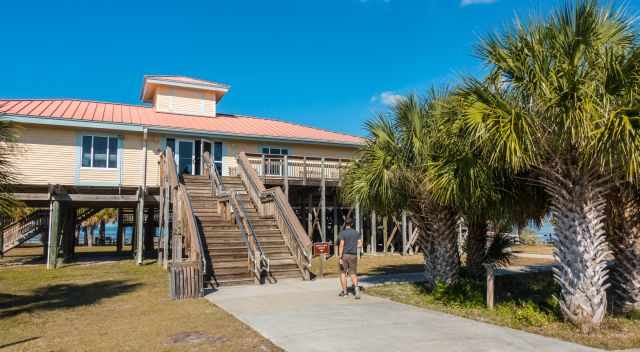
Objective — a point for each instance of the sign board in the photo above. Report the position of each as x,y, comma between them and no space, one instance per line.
321,248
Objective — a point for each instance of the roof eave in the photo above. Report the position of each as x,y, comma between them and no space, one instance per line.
55,121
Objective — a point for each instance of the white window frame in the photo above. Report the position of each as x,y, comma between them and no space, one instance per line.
272,147
91,167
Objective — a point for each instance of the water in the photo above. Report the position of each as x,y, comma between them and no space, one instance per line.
110,230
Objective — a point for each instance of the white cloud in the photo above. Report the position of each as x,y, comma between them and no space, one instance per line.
464,3
387,98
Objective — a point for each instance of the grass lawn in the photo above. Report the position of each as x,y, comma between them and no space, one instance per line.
376,264
114,306
523,302
537,249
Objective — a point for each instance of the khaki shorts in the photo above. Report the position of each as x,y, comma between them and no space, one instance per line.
349,264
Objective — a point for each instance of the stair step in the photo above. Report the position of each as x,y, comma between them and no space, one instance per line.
236,282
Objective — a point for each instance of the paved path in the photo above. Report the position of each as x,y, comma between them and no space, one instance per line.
309,316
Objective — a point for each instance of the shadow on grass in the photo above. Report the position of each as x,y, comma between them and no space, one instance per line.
397,269
62,296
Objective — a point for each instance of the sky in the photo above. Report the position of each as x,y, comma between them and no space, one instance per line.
327,63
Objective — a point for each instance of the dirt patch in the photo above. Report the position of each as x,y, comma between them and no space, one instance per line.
193,337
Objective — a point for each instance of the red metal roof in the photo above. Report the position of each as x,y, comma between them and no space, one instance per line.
146,116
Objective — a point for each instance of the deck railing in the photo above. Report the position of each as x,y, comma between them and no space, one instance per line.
272,202
298,168
188,262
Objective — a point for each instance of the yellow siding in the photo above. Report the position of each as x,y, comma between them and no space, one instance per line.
51,155
133,159
185,101
45,155
96,175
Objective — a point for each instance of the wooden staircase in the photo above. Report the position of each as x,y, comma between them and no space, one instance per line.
227,251
22,230
282,263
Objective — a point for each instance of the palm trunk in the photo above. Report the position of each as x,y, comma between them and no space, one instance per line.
623,231
476,246
102,233
578,204
439,242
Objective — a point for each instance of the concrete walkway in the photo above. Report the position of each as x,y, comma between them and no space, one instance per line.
309,316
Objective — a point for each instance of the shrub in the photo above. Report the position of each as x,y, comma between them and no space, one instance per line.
465,293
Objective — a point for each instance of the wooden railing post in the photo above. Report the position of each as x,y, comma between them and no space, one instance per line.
490,273
286,176
323,201
404,232
374,230
304,171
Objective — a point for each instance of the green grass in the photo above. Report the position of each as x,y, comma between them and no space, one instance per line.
524,302
115,306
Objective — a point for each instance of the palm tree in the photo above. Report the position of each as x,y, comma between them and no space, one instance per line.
392,174
623,231
551,93
106,215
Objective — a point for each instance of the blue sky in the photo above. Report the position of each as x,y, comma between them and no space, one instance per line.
328,63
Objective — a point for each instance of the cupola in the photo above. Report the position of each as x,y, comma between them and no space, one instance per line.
182,95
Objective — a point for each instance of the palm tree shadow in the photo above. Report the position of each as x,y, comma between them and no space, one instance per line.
62,296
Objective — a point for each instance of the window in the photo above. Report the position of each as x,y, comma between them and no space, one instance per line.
100,152
275,151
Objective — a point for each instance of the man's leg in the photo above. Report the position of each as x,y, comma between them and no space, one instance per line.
356,289
343,282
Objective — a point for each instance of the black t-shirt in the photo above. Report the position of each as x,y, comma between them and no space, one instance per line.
350,238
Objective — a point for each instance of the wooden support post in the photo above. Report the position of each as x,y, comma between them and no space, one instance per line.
323,261
310,217
54,233
385,233
165,229
490,269
404,232
263,169
409,248
149,232
140,229
323,201
119,231
285,173
68,232
374,230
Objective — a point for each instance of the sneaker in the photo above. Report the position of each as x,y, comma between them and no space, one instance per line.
357,290
342,294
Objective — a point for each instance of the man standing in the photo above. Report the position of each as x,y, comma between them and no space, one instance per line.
349,240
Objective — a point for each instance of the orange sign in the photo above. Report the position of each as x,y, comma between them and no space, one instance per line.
321,248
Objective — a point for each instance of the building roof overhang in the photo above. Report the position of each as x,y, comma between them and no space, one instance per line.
152,82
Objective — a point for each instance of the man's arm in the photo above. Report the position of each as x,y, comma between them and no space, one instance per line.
341,250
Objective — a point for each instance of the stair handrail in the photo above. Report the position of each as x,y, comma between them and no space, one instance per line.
243,222
288,222
211,171
12,232
184,220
